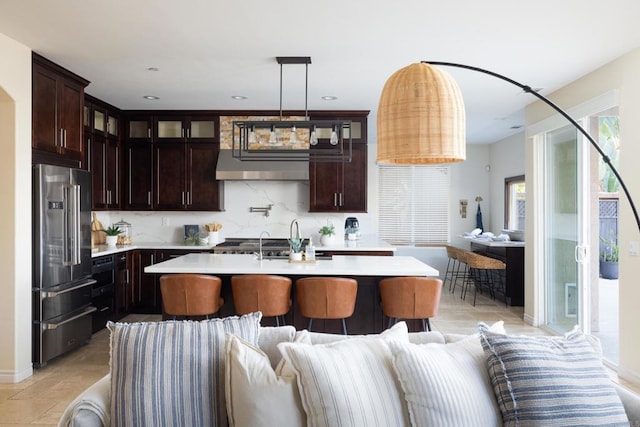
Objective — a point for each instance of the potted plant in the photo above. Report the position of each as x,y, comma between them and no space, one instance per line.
609,259
193,239
295,244
326,234
112,233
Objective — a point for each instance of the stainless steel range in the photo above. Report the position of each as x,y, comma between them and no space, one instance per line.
271,248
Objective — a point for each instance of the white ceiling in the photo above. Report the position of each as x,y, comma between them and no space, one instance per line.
206,51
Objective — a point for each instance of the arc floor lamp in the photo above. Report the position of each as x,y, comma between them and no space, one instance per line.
421,119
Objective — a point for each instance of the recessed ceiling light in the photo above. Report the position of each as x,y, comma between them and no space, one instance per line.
516,127
151,97
329,98
239,97
152,69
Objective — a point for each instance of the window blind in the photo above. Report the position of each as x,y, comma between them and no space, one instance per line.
413,204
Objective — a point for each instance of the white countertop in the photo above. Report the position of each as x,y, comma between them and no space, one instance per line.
366,243
495,243
101,250
202,263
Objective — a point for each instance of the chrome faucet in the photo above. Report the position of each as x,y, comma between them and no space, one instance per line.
260,243
298,235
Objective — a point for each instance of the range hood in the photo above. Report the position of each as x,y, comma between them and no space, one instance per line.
229,168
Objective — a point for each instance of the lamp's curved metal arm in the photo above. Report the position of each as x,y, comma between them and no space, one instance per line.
564,114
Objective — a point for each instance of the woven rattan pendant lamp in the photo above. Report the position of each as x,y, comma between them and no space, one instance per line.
421,118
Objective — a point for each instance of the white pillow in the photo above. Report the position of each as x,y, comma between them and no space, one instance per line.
446,384
255,394
172,373
270,337
349,382
397,331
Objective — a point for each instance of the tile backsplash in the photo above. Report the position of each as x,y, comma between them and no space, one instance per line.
290,200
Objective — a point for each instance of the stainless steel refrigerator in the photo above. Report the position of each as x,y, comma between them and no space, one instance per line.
62,280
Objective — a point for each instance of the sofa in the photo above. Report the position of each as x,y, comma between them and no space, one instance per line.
164,373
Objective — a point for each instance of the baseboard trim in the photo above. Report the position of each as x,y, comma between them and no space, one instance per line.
13,377
530,320
626,375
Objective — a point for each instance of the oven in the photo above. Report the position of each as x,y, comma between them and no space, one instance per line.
103,290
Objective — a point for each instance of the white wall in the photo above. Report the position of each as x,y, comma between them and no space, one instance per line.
620,74
507,160
15,193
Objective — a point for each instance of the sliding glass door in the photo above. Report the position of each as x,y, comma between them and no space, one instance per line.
565,251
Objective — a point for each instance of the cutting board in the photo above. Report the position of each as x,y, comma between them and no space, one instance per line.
98,237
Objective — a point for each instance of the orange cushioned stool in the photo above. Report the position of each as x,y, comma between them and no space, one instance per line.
188,295
327,298
411,298
262,292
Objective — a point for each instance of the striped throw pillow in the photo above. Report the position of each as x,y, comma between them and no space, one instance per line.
172,373
551,381
446,384
349,382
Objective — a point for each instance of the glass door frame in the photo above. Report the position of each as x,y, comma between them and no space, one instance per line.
535,310
578,220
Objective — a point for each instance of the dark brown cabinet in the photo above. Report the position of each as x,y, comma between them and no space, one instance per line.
139,176
185,176
341,186
123,283
145,287
174,168
104,158
57,110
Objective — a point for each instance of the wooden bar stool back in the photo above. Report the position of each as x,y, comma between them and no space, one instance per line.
262,292
327,298
411,298
189,295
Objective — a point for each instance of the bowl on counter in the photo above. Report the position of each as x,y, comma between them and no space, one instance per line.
515,235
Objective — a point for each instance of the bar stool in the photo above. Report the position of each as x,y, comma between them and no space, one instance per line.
327,298
189,295
483,272
462,271
452,263
411,298
262,292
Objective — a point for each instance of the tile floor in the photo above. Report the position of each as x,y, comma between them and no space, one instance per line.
41,399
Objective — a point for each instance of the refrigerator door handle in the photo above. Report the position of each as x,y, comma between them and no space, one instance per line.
53,294
72,225
88,310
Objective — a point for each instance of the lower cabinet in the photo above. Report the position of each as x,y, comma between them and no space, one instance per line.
146,289
124,285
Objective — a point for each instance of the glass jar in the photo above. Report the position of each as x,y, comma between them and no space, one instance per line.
124,238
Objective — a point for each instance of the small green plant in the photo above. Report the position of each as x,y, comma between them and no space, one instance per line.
611,252
114,230
327,230
295,244
192,239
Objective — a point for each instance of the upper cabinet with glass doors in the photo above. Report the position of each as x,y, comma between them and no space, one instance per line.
172,127
185,128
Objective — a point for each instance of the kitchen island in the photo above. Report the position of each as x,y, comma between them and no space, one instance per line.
367,270
512,254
